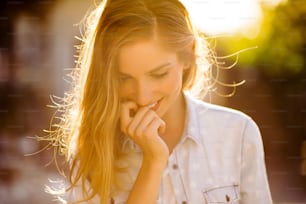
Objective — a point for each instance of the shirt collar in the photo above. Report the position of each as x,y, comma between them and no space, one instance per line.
192,126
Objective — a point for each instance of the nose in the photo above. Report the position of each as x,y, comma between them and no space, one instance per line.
144,93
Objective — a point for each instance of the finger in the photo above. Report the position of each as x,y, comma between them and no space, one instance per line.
147,118
162,127
155,127
125,114
140,120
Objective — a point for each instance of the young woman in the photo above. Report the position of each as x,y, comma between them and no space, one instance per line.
132,129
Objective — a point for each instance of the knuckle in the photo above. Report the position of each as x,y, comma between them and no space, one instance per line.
130,131
147,131
151,131
123,126
139,132
162,122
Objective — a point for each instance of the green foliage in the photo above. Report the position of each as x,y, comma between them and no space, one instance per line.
281,41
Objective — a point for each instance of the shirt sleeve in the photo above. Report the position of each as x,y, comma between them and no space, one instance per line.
254,183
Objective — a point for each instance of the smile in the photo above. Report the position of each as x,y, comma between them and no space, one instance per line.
154,106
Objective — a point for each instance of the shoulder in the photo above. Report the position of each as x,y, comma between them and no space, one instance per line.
216,118
213,110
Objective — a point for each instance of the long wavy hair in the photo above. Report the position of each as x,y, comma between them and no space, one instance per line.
88,133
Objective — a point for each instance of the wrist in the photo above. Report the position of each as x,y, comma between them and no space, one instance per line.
154,163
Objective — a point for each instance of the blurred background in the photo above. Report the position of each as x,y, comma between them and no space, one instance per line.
37,39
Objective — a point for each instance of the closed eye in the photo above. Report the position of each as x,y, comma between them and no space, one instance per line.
160,75
124,78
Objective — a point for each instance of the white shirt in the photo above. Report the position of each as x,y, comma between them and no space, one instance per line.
219,159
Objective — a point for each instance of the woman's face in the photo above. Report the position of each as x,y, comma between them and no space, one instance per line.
150,76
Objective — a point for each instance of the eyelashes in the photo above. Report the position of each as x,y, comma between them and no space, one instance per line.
124,78
160,75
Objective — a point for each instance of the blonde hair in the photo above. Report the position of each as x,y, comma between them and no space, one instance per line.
88,135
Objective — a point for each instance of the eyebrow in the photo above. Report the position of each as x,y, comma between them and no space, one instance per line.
153,70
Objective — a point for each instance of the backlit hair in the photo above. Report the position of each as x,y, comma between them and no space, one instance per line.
88,133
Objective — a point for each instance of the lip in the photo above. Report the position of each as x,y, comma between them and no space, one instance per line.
156,106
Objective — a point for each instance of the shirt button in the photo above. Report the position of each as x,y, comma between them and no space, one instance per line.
175,166
228,199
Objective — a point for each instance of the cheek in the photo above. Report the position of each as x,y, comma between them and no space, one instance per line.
124,91
173,83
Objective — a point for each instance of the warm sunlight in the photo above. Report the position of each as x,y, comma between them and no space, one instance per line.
217,17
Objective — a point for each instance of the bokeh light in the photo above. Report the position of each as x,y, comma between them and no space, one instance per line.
220,17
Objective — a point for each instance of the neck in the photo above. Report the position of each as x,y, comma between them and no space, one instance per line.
176,113
175,121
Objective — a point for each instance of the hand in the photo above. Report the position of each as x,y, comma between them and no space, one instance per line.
144,126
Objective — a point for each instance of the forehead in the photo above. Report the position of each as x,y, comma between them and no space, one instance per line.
144,56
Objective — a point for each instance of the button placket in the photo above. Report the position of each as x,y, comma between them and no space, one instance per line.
176,179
